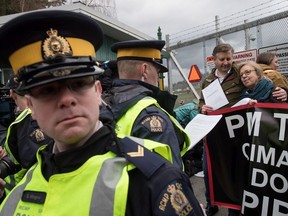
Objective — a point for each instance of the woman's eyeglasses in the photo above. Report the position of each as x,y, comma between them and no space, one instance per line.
246,73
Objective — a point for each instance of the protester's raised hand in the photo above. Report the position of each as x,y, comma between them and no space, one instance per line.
206,108
252,102
280,94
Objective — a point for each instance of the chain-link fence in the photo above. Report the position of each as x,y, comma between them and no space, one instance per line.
265,34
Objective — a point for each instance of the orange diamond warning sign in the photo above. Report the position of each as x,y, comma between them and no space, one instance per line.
194,75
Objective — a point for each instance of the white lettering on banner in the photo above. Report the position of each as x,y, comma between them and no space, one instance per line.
283,117
252,119
263,155
266,157
251,200
262,175
260,178
283,159
231,127
252,150
252,204
258,139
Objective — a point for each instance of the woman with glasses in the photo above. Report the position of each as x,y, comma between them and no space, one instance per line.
258,87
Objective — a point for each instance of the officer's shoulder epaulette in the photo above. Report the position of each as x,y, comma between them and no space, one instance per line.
134,151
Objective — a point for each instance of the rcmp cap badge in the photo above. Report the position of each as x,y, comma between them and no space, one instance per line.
55,45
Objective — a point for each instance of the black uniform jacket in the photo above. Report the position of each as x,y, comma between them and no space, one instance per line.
24,140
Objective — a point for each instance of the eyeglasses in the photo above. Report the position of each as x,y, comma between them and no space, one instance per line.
246,73
50,90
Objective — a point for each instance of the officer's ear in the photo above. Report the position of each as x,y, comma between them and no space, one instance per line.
13,95
98,89
145,68
30,105
98,86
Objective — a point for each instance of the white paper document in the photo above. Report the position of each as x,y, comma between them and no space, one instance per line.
214,96
200,126
242,102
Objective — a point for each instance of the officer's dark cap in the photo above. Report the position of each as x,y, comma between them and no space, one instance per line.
13,85
11,82
46,46
145,50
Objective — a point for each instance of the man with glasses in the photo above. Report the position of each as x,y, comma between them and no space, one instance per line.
139,107
87,170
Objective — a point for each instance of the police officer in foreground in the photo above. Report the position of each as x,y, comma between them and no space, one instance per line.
87,170
139,107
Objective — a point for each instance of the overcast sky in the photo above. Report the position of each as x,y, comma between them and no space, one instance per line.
174,16
181,18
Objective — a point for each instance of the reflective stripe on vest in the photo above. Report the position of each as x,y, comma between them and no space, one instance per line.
108,197
103,193
12,180
12,201
125,123
19,118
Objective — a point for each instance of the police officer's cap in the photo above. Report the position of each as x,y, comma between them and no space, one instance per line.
11,82
47,46
145,50
13,85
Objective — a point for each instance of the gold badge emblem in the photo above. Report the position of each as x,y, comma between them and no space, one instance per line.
178,199
55,45
155,125
39,135
61,73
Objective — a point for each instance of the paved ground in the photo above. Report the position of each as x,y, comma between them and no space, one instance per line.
199,190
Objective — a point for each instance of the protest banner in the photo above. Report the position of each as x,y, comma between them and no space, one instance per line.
247,157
